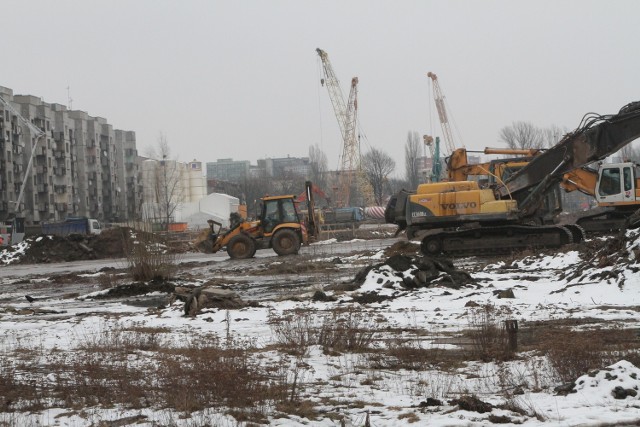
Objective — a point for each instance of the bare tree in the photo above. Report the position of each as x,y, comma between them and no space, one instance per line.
552,135
522,135
254,187
318,166
168,190
411,155
630,153
377,167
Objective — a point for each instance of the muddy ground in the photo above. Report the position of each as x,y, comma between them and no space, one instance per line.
118,242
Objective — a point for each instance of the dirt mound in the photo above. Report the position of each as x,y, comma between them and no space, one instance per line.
403,247
412,272
43,249
111,243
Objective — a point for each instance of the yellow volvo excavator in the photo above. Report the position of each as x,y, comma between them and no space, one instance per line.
518,212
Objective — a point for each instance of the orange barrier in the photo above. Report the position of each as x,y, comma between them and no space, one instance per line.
177,226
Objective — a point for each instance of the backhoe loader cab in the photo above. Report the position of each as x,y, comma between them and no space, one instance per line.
278,226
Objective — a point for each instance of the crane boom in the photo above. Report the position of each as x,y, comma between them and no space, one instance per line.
36,133
346,113
442,113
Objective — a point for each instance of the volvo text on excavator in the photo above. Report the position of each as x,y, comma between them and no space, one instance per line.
516,213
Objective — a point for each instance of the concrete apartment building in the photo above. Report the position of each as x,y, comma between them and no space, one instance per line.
81,166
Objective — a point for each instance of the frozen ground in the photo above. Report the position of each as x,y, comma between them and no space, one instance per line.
579,289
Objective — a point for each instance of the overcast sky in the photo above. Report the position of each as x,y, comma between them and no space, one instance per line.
241,79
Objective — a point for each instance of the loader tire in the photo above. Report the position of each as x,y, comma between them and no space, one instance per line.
241,247
286,242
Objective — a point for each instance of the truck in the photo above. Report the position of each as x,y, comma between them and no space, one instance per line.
73,225
461,217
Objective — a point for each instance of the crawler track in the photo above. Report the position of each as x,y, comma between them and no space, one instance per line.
499,240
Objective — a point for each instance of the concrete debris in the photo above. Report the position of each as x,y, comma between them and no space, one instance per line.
416,272
212,297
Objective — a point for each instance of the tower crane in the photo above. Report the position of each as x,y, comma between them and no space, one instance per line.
346,115
442,113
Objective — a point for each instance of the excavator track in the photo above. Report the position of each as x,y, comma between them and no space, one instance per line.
500,239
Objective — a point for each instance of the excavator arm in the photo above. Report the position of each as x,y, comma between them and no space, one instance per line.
583,179
597,138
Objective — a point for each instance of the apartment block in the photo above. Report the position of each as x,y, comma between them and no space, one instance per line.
80,167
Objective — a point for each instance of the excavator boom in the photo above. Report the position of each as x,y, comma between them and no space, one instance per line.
598,138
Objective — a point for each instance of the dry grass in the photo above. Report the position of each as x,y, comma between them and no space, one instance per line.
488,335
136,368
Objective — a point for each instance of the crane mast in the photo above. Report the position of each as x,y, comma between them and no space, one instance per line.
442,113
436,163
346,113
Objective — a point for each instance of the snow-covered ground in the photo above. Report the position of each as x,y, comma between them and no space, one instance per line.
560,286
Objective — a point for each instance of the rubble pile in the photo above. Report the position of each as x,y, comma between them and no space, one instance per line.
608,260
405,272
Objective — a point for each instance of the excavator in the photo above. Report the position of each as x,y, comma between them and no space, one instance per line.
615,196
516,213
616,190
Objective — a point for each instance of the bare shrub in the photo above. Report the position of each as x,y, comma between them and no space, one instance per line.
349,329
148,257
106,280
201,374
489,339
408,353
295,330
574,353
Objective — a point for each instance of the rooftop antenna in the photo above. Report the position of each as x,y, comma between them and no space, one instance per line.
69,100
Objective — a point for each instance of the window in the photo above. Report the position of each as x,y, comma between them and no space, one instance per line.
627,178
609,182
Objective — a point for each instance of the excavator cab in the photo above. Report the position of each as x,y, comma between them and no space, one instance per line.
616,184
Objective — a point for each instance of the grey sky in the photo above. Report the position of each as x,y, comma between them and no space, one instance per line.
240,79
